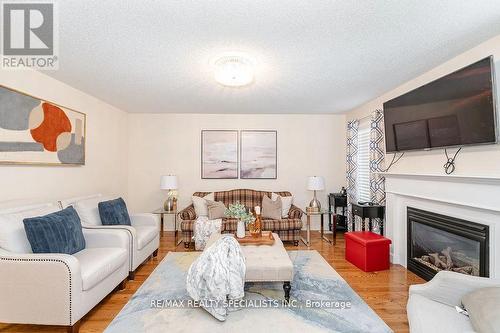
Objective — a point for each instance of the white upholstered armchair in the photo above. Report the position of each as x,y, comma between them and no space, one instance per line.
143,233
431,306
56,289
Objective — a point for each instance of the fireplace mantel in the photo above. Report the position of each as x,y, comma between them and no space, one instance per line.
452,178
474,191
474,198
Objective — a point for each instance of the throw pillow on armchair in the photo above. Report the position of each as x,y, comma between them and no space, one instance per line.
114,212
483,306
59,232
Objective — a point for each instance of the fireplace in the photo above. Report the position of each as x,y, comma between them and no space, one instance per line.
437,242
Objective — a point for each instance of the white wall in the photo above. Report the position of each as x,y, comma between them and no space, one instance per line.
472,161
170,144
106,147
127,153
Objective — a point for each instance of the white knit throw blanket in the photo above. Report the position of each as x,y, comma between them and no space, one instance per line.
203,229
217,275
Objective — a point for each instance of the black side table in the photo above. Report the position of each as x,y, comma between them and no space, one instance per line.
370,212
338,200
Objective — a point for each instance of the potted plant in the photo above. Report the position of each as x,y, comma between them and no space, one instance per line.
239,212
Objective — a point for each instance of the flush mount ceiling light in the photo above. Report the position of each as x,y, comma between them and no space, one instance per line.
234,70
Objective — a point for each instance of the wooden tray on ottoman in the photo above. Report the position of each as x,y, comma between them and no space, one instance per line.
266,239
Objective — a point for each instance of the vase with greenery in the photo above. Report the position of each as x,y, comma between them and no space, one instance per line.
238,211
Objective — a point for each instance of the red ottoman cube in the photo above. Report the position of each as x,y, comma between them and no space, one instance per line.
367,250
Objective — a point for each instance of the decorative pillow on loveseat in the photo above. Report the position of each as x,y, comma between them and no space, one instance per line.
216,210
201,204
114,212
271,209
59,232
286,203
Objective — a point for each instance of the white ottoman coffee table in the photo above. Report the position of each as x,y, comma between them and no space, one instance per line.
266,263
269,263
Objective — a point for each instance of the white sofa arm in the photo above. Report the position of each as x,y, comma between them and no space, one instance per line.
145,219
39,288
110,237
95,238
449,287
130,231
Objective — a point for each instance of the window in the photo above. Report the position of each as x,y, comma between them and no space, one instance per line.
363,176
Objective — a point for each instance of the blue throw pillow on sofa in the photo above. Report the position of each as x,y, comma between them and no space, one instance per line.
114,212
59,232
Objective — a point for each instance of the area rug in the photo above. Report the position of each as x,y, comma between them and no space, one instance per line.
321,301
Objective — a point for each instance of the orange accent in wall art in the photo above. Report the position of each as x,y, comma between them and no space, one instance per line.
54,123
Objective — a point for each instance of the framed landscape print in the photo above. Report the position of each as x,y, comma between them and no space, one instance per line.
35,131
219,154
258,155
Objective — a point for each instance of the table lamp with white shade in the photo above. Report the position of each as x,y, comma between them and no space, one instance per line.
169,182
315,183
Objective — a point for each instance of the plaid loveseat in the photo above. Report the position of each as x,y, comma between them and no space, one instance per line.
287,228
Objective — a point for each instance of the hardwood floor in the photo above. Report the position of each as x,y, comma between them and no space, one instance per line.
386,292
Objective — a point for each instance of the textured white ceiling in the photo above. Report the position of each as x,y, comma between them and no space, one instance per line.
313,56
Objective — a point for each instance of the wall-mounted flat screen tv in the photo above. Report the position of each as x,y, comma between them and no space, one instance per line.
455,110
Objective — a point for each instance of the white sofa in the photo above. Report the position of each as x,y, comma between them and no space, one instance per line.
56,289
431,306
143,234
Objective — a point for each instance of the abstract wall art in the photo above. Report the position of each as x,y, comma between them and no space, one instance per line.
34,131
258,155
219,154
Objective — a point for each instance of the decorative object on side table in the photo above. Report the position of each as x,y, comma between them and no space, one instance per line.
315,183
343,191
239,212
169,183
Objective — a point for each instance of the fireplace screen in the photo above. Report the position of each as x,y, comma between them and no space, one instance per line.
437,242
440,250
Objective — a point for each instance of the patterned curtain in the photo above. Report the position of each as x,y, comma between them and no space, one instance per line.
377,155
352,166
